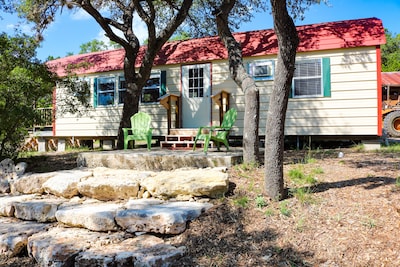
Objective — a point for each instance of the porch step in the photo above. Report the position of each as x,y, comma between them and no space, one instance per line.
182,144
182,139
184,131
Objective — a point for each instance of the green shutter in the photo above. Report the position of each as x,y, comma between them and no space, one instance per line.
291,90
95,93
163,85
326,76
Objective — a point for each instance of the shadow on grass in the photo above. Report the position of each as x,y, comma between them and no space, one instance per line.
368,182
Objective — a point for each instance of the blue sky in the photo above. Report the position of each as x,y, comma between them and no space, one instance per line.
70,30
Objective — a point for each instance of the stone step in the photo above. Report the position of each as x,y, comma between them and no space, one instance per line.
92,217
136,215
91,233
117,184
52,245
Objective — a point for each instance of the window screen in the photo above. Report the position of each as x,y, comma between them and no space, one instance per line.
307,79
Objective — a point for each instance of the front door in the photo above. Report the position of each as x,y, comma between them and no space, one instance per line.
196,88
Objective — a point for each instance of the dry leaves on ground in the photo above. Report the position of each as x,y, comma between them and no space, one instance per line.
350,216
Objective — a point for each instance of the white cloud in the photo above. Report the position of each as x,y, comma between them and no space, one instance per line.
23,28
80,14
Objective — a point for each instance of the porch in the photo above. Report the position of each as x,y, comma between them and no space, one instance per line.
160,159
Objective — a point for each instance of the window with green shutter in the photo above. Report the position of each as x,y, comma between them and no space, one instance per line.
311,78
107,91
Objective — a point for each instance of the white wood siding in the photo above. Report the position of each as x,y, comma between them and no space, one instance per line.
352,108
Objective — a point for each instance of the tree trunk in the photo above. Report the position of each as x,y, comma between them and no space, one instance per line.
288,41
131,98
243,80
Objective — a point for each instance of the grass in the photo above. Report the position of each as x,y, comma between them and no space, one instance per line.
241,201
303,195
369,223
391,148
299,177
260,202
284,208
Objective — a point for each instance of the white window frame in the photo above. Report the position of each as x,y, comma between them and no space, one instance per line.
303,76
105,92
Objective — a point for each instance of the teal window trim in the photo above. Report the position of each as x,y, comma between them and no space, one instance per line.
95,93
326,76
163,85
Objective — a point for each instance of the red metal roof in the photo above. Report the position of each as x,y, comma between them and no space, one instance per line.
322,36
391,78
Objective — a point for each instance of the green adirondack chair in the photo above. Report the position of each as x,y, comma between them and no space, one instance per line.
217,134
140,129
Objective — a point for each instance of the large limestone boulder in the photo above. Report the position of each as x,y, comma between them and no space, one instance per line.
164,218
7,204
31,183
144,250
14,234
112,184
93,216
39,209
65,183
59,246
186,183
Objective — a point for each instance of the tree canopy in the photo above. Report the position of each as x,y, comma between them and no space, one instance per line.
391,52
25,84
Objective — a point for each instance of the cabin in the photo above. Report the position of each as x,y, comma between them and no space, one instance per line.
336,88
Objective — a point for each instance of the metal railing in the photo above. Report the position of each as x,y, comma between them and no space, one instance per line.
46,117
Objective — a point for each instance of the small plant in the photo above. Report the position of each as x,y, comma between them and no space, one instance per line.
299,177
358,147
391,148
247,166
397,183
303,195
269,212
301,225
318,170
260,202
310,160
284,209
369,223
242,201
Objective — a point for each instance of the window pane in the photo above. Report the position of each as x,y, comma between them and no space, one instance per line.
307,80
196,82
106,84
151,91
121,90
106,98
105,91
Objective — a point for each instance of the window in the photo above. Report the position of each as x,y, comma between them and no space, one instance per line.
261,70
151,91
196,82
105,91
121,89
311,78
